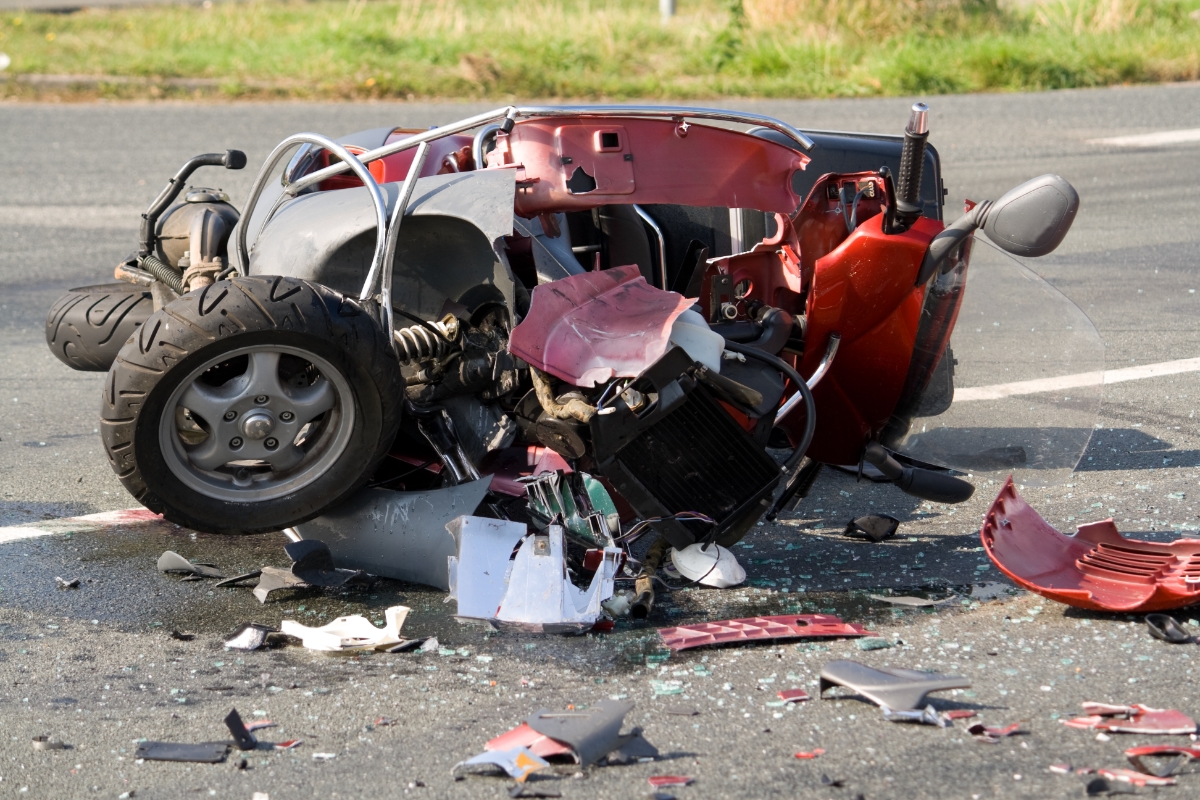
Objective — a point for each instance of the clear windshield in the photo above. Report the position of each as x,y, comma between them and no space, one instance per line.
1027,378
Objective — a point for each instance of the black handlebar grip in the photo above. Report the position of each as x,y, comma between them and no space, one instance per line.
233,159
912,163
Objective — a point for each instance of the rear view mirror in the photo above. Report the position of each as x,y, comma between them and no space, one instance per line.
1032,219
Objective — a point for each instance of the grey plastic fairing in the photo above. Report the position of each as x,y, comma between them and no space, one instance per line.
837,151
399,535
450,247
552,257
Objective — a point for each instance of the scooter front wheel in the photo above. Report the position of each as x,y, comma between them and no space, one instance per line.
251,405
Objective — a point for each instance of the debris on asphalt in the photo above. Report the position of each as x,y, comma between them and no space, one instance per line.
182,636
204,753
795,626
659,781
1132,719
806,754
987,735
895,689
539,744
242,737
926,716
250,636
1160,760
408,645
1135,778
833,783
794,696
958,713
1168,629
63,583
288,745
633,749
1102,787
875,527
172,562
709,565
592,733
324,756
43,742
313,563
272,579
354,632
913,602
525,790
874,643
235,580
1097,568
517,763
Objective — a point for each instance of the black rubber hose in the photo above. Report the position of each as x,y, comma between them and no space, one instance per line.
810,406
164,272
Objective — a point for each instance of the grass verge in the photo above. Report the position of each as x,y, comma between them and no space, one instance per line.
598,49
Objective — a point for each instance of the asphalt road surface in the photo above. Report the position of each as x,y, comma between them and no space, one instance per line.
96,666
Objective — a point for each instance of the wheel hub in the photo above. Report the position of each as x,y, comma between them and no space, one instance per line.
257,424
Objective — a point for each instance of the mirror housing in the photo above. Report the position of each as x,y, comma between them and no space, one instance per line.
1032,219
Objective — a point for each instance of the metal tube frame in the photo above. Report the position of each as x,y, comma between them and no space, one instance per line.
821,371
660,244
349,162
393,236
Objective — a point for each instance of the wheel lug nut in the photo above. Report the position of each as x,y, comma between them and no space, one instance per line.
271,443
261,399
230,415
235,442
287,416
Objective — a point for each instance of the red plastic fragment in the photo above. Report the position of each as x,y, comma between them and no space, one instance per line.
793,696
992,735
1133,719
958,713
289,744
796,626
669,780
525,736
257,726
1097,568
810,753
1135,778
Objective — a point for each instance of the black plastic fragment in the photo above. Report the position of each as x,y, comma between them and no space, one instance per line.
204,753
314,564
245,739
1101,787
1166,628
592,733
875,527
182,636
239,578
836,783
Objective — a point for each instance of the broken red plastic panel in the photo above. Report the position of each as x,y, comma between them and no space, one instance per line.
1097,568
989,735
793,696
959,713
1135,778
796,626
669,780
1132,719
1161,760
596,326
538,744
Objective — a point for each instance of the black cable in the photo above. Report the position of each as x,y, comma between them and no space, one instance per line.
810,407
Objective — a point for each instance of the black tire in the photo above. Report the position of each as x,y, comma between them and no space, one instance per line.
253,312
87,326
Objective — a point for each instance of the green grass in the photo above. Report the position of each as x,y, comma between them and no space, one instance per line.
606,49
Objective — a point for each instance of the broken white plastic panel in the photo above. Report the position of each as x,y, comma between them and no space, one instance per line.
354,632
485,548
540,595
518,762
700,342
709,564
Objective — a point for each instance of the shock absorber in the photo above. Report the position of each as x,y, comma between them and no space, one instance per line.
432,340
912,160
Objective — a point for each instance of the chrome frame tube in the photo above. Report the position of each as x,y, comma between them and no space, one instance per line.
477,154
350,162
393,236
821,371
661,244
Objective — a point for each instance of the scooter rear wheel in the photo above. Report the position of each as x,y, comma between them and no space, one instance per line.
87,326
251,405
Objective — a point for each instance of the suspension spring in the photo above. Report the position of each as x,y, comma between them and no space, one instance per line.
418,342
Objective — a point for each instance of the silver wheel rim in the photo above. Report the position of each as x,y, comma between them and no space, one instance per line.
259,432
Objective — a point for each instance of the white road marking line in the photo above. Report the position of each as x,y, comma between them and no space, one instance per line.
1002,390
1151,139
89,522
